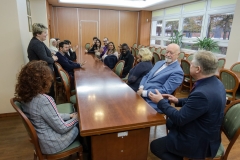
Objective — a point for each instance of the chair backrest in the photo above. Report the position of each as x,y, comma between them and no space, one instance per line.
119,68
139,46
231,124
58,66
147,47
230,82
235,67
152,49
133,52
185,67
156,57
158,50
163,52
190,57
134,45
29,127
136,51
87,46
221,62
142,46
66,82
181,55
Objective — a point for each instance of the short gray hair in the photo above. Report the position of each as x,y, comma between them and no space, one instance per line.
38,28
207,61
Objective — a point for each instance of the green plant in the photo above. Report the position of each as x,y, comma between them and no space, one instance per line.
206,44
176,37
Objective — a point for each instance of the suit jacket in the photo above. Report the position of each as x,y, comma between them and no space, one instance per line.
37,50
165,81
55,131
128,58
67,64
195,128
110,61
136,74
72,55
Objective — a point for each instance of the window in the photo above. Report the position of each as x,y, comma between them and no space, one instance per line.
192,26
156,28
155,42
170,27
219,26
189,46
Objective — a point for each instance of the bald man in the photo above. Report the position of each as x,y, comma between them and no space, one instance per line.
165,76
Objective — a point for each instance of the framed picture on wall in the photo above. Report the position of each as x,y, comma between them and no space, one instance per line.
28,8
30,24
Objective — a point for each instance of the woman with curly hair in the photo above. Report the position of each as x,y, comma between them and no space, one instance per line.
55,131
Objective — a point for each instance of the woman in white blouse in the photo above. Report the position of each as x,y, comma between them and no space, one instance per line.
111,50
52,46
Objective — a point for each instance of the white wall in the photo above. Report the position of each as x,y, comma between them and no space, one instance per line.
11,52
39,13
23,26
233,52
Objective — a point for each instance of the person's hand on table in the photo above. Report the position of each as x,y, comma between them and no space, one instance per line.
81,64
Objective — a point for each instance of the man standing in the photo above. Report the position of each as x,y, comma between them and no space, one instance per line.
165,76
128,58
195,128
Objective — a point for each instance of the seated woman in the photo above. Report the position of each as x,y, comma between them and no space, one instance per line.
111,51
96,48
52,46
141,69
55,131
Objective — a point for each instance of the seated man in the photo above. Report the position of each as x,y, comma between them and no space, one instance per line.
71,55
67,64
165,76
128,58
194,130
105,47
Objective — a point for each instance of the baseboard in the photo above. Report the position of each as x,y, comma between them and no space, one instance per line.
12,114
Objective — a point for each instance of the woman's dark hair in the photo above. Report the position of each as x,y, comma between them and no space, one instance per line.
34,78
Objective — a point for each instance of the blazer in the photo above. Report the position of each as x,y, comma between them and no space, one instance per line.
55,131
72,55
165,81
37,50
128,58
195,128
136,74
110,61
67,64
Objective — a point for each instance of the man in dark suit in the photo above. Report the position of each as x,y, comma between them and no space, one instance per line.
128,58
194,130
71,55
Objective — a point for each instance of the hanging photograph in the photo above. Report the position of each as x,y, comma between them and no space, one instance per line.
30,24
28,8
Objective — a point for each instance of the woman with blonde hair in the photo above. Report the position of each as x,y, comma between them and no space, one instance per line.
141,69
37,50
53,46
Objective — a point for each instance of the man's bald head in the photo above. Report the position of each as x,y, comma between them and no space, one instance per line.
172,52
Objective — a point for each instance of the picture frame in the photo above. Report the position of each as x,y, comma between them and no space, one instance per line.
28,7
30,24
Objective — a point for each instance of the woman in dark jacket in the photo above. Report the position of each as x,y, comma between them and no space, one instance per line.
37,50
141,69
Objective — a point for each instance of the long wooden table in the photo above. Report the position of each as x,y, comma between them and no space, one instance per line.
116,118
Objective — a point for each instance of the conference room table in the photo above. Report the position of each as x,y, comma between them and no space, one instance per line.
111,113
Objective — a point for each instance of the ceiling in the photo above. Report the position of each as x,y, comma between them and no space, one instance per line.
158,5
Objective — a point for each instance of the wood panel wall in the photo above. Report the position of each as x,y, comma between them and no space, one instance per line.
118,26
145,19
